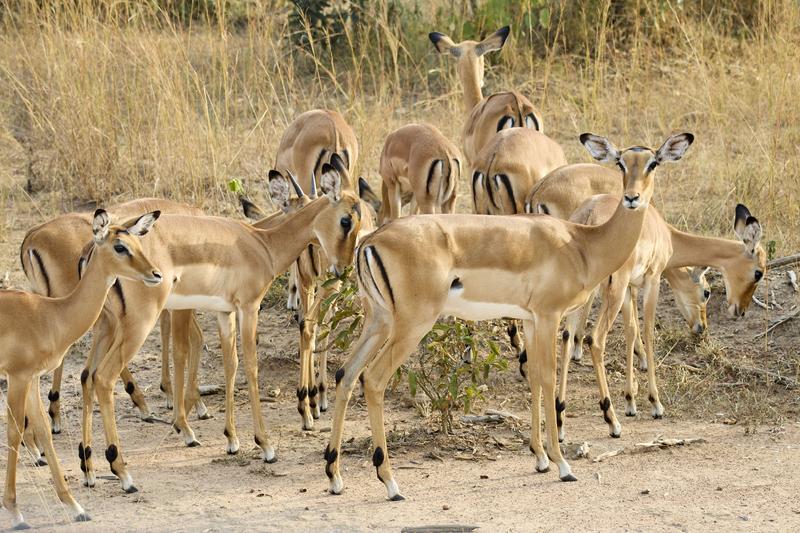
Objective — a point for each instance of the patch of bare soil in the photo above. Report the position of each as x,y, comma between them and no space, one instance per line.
732,390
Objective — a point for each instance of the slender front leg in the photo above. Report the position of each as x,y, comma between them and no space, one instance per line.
639,347
166,335
36,413
248,325
306,283
15,399
32,443
544,371
54,396
193,398
181,324
374,334
573,333
322,364
631,322
226,323
535,445
651,290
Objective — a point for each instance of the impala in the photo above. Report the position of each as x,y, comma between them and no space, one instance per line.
660,247
484,115
38,330
477,268
225,266
49,256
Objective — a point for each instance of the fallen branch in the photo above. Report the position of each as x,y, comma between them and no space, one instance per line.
662,443
606,455
491,416
504,414
759,303
777,322
206,390
783,261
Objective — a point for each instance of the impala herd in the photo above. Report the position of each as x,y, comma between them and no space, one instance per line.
559,235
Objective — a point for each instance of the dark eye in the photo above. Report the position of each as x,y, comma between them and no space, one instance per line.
707,294
346,223
759,274
120,249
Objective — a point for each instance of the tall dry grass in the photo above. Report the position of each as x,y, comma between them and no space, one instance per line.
122,100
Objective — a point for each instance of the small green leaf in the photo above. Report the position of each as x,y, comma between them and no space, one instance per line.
412,383
235,186
544,17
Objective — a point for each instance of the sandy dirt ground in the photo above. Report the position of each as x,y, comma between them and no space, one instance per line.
742,477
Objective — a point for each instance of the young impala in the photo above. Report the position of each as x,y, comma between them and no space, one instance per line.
477,268
37,331
225,266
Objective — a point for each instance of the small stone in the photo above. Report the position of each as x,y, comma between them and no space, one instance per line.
484,476
303,490
645,491
445,507
719,489
744,517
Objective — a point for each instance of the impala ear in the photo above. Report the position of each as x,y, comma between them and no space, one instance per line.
331,182
493,42
601,148
143,224
747,228
444,44
100,225
674,147
279,189
251,210
366,193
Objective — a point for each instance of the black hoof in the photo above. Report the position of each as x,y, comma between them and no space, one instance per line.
323,410
41,462
334,493
569,477
397,498
630,414
658,417
615,436
543,470
315,416
55,431
560,439
273,460
83,517
193,444
308,429
86,484
229,452
132,489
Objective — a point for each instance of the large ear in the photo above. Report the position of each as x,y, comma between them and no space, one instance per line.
674,147
493,42
331,182
747,228
444,44
601,148
366,193
100,225
279,189
251,210
142,225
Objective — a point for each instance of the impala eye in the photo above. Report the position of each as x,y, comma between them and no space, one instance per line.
706,294
759,274
346,223
120,249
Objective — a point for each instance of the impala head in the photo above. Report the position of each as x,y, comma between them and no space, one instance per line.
743,273
337,228
637,163
469,54
119,247
692,291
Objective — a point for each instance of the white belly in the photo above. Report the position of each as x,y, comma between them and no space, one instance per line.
197,301
476,310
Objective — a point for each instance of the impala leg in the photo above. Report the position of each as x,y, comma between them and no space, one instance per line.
631,335
226,323
544,371
103,337
515,338
32,444
307,283
193,398
181,325
376,377
639,347
15,399
651,290
568,336
36,413
166,335
612,303
542,461
579,328
248,325
54,396
374,334
135,392
322,366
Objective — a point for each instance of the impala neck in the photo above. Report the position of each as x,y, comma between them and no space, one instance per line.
609,245
471,85
84,304
286,240
696,250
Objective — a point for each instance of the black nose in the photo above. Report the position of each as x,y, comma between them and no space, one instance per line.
630,199
698,329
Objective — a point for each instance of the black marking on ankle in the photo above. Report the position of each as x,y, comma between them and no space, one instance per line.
26,422
302,324
561,406
456,284
301,411
312,393
523,358
176,428
565,335
628,397
589,340
652,400
339,375
361,379
377,460
259,442
605,405
53,395
129,388
330,458
512,332
162,388
322,388
111,455
84,454
226,433
84,376
302,393
576,340
637,352
51,412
